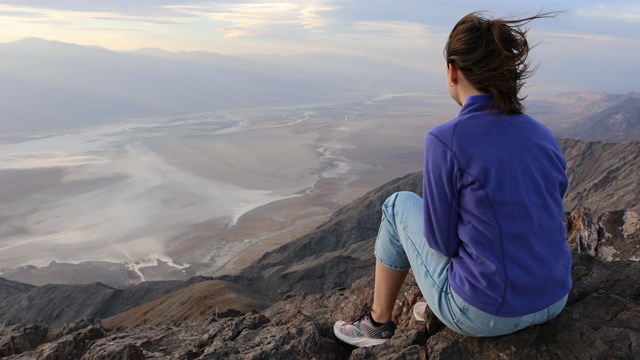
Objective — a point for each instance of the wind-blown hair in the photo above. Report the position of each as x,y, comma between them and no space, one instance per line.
492,54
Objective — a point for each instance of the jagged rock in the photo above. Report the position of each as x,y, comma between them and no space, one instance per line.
69,342
114,350
615,235
600,321
61,349
619,235
287,335
403,346
582,234
20,338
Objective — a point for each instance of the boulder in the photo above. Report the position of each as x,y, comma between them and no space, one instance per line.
20,338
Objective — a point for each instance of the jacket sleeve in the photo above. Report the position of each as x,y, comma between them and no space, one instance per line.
441,197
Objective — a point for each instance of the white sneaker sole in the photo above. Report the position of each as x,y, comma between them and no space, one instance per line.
359,342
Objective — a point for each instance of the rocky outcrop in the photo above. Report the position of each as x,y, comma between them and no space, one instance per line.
20,338
600,321
614,235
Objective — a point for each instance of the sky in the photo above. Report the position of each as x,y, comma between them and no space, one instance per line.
590,45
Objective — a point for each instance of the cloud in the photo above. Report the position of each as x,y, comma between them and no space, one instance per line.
398,29
76,17
19,13
123,7
581,36
262,18
233,18
628,11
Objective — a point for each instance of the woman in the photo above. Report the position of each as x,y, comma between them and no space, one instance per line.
487,243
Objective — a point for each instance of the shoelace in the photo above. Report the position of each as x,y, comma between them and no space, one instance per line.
366,311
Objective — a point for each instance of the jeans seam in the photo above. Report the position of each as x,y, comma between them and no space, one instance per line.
385,262
549,313
424,265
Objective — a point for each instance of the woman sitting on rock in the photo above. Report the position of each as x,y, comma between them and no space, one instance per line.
487,242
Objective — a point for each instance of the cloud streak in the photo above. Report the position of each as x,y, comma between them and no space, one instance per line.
397,29
240,19
628,11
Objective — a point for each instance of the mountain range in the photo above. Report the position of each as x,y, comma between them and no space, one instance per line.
617,123
299,289
591,116
76,85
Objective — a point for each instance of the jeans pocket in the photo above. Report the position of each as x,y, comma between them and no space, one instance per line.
461,320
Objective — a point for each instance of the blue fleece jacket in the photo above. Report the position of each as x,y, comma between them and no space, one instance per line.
493,189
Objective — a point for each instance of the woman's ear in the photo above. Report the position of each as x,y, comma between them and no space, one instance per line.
452,74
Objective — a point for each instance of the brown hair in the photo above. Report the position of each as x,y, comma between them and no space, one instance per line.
492,54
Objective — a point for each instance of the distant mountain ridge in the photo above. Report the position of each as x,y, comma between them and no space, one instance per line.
56,305
49,84
612,119
8,288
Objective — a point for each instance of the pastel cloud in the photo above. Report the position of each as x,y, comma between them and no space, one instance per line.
628,11
581,36
400,29
259,18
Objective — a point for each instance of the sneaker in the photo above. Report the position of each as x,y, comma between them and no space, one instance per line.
362,332
418,310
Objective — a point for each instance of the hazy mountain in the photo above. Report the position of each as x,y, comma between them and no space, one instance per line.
590,116
563,112
615,123
8,288
48,84
57,304
193,302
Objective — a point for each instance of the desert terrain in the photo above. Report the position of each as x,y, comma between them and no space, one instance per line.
196,194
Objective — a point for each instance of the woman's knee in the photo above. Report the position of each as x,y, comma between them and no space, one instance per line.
400,199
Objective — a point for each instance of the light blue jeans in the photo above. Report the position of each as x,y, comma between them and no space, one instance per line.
401,245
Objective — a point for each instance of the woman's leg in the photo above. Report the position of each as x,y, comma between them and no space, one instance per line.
401,245
387,287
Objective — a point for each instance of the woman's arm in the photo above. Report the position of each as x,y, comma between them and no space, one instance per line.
441,198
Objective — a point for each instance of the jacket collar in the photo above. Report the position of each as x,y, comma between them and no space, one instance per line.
476,103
